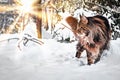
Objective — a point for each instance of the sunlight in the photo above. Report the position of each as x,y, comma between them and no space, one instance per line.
26,6
23,8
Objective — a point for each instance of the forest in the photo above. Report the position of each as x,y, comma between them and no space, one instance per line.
47,13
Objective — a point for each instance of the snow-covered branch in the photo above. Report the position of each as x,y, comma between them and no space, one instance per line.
107,8
9,39
25,39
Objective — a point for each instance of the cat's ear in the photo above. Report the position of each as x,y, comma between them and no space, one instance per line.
83,19
72,22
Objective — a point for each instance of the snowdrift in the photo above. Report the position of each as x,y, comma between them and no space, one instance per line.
55,61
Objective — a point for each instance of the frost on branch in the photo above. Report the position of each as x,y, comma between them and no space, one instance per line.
29,34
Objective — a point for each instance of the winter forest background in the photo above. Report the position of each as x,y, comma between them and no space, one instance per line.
53,11
37,44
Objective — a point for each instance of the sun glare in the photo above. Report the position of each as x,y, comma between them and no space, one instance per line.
22,8
26,6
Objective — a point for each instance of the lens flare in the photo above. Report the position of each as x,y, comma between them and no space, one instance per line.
26,6
23,8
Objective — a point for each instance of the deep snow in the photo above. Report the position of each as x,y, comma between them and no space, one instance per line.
55,61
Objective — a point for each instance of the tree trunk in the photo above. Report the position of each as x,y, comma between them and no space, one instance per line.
39,25
39,21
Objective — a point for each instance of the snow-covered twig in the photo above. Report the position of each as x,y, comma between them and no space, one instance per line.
55,32
67,27
28,38
25,40
8,39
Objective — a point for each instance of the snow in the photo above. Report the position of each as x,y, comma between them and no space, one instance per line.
55,61
82,11
61,32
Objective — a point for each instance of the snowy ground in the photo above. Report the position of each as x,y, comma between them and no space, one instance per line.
55,61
